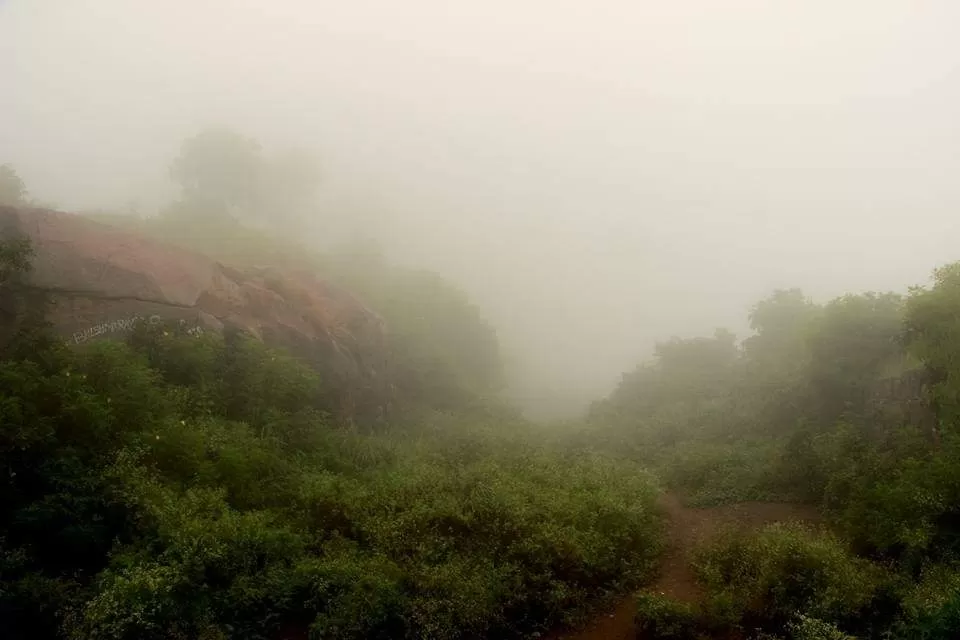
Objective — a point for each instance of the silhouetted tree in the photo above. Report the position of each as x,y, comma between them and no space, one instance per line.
12,189
221,169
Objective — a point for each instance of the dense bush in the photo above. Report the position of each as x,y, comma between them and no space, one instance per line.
851,405
444,350
905,508
660,618
711,473
762,580
807,628
189,487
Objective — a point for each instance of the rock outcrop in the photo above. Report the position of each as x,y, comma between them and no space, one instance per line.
101,281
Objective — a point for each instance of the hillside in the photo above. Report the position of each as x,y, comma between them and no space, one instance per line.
162,481
197,450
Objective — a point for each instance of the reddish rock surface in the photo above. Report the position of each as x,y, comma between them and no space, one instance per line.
101,281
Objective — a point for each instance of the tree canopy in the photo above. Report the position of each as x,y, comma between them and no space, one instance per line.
13,191
220,170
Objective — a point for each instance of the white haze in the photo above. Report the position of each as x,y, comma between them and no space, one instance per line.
598,175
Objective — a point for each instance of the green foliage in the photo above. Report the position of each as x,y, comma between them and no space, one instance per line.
805,364
233,376
939,624
908,507
775,357
852,405
712,473
192,487
931,605
933,335
660,618
853,343
807,628
15,256
681,394
19,318
445,351
188,487
762,580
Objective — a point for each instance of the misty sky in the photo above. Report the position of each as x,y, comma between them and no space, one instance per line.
597,174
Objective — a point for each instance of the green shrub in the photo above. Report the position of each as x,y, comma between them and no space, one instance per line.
807,628
234,376
906,508
190,487
931,606
765,578
712,474
661,618
939,624
348,593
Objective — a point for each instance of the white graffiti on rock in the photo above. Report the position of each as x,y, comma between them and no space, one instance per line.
124,324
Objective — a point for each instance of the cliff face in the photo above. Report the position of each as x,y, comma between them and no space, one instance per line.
101,281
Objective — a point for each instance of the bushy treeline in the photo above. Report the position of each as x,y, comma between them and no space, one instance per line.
180,486
793,582
852,405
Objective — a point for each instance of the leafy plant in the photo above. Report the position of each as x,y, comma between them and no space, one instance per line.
769,576
660,618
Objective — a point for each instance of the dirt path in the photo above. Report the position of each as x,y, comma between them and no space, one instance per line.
686,528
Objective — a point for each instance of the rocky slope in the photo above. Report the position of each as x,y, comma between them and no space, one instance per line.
101,281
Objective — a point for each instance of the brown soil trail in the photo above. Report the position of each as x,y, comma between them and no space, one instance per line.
686,528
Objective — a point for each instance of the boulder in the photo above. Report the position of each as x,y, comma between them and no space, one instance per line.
101,281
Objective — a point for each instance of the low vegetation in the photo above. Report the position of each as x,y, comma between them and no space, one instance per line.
762,580
194,486
181,486
850,406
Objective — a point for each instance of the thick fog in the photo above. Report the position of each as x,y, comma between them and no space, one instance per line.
597,175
